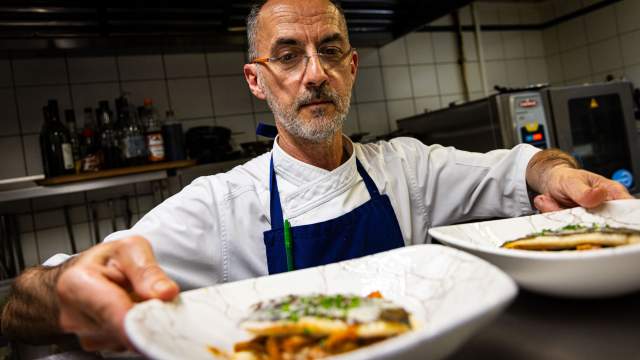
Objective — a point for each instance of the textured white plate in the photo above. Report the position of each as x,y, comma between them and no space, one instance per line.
449,293
594,273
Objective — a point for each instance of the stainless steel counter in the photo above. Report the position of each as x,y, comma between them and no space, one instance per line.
542,327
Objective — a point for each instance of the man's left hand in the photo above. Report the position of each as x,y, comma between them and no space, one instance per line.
566,187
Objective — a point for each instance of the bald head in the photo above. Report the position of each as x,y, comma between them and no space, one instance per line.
264,6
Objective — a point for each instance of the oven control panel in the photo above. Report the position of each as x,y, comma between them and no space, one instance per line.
529,119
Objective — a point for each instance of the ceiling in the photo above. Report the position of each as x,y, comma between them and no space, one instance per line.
50,26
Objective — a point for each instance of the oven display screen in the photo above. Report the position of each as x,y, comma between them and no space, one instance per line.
599,137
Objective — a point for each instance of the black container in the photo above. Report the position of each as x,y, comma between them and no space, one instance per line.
209,144
173,142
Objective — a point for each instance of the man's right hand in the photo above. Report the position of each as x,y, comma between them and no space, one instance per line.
97,288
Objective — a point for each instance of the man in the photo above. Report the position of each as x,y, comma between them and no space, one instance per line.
316,198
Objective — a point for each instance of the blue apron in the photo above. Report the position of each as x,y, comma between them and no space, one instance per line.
370,228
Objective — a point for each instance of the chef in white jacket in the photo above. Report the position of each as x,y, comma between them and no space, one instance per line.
315,198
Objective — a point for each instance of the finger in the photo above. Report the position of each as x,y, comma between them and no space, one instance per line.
546,203
88,292
616,191
136,260
579,190
100,343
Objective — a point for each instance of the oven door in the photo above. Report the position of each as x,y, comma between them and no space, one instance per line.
596,125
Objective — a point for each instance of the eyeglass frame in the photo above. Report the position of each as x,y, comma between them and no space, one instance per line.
266,59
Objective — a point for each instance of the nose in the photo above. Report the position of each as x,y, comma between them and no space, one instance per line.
314,73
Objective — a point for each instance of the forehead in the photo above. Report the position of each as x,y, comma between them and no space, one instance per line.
299,20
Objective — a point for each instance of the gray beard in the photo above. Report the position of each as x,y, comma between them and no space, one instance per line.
322,127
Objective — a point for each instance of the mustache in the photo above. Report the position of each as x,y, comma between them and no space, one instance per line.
317,94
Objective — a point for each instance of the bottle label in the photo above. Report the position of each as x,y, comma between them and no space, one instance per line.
91,162
67,156
156,146
133,146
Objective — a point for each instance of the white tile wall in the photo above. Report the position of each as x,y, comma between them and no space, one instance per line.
92,69
627,15
190,98
369,57
351,123
397,83
572,34
517,72
537,71
141,67
424,80
399,109
228,63
8,113
605,55
12,163
394,53
575,63
230,95
369,86
513,44
601,24
40,71
5,73
32,157
32,99
451,78
420,48
445,47
185,65
373,118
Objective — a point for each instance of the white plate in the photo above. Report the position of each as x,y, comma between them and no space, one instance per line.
449,293
594,273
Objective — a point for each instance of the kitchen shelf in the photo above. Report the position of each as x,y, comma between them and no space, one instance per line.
50,190
66,179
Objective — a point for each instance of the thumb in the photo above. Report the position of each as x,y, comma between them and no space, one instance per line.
137,262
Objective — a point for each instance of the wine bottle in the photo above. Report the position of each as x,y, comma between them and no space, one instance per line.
153,132
90,153
70,119
111,154
56,150
132,142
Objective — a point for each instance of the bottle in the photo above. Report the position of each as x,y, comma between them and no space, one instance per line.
57,153
132,141
153,132
90,153
111,154
173,138
70,119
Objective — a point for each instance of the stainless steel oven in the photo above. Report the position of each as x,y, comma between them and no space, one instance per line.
595,123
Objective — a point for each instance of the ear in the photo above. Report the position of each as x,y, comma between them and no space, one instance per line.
251,75
354,64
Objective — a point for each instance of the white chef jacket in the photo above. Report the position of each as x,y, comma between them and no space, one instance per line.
212,231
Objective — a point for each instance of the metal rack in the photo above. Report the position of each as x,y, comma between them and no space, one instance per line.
12,262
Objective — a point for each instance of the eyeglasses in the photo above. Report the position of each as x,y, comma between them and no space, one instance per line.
293,60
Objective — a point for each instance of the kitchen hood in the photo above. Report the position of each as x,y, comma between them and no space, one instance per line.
54,26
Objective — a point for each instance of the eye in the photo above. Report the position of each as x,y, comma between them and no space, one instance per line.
289,58
331,51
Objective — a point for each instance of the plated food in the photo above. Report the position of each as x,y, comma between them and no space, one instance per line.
316,326
610,270
576,237
432,283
